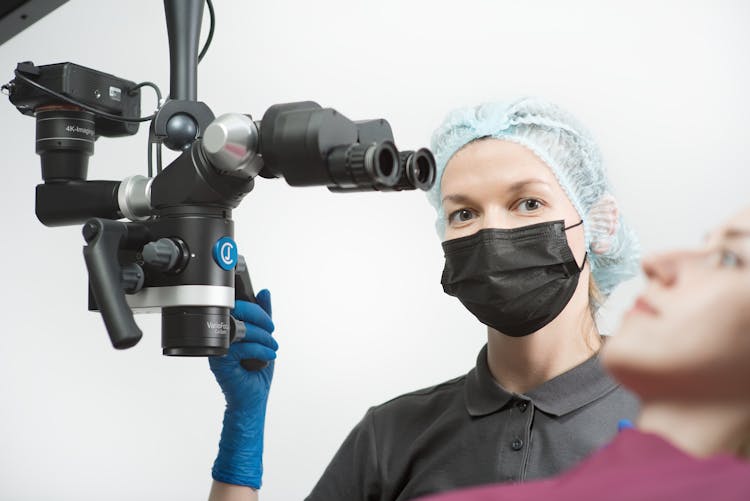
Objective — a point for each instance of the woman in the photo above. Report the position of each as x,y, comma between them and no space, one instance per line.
684,349
533,243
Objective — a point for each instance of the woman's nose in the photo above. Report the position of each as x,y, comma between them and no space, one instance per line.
660,268
665,268
495,219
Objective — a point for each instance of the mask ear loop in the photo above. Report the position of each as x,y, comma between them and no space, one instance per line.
586,255
579,223
583,264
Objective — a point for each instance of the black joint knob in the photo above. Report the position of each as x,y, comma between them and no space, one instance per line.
181,132
132,278
163,254
90,231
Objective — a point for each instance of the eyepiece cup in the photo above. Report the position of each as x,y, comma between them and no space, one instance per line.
420,169
383,163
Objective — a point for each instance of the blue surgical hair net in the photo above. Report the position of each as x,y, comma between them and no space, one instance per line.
575,160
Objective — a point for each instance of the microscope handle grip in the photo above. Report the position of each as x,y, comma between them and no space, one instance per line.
104,238
243,291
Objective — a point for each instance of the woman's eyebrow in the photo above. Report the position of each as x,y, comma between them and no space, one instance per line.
512,188
457,199
726,234
732,233
520,185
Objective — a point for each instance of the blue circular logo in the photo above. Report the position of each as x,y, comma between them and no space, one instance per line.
225,253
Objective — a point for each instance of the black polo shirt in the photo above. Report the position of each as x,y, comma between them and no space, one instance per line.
470,431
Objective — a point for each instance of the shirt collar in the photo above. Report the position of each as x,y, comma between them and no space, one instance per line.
560,395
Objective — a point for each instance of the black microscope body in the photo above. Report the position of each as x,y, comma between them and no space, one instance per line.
177,255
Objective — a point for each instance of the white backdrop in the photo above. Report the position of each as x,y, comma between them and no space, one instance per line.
360,313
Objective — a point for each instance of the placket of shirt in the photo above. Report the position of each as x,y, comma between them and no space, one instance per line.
518,437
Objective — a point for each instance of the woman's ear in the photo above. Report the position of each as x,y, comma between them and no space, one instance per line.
604,221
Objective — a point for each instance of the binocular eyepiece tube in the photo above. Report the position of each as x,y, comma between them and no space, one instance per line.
416,171
359,165
312,146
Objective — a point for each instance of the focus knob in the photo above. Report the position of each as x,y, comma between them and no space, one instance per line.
163,254
132,278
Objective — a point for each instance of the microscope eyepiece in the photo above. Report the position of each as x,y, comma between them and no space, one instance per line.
419,167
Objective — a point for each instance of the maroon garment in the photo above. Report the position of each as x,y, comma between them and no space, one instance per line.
634,466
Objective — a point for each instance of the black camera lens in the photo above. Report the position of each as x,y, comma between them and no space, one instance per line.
64,141
195,331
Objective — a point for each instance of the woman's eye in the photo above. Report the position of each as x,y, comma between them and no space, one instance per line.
460,216
729,259
530,205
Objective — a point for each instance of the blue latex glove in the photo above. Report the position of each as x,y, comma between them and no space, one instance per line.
240,458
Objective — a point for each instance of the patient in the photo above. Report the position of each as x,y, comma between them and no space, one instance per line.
684,348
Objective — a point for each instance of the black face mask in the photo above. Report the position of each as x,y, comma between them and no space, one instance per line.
513,280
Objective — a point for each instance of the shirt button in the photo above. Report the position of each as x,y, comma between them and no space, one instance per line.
517,444
522,405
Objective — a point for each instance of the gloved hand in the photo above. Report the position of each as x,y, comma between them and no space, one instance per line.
240,458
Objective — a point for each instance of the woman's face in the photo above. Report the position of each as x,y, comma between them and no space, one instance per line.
688,335
493,183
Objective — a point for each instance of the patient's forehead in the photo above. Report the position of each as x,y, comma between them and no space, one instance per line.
741,220
737,226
